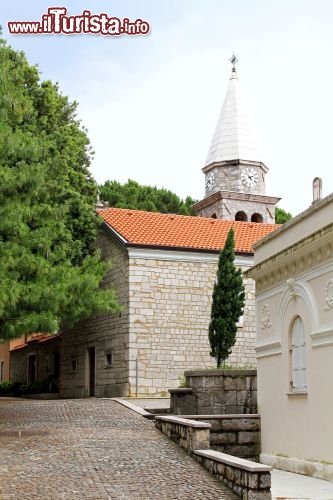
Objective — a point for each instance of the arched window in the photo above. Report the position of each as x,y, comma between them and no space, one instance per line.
241,216
213,216
298,356
256,218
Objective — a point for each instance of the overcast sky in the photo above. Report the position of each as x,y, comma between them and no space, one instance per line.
151,103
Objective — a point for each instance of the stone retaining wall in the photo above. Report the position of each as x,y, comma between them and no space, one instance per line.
188,434
236,435
216,392
249,480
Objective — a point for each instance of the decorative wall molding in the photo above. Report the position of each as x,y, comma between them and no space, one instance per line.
265,349
304,292
329,295
291,285
265,317
322,338
279,270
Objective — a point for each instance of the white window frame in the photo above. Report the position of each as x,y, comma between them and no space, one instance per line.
298,357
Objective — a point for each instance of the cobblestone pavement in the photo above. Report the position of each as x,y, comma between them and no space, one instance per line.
93,449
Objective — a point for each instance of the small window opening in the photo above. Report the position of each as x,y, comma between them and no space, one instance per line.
73,365
256,218
109,358
241,216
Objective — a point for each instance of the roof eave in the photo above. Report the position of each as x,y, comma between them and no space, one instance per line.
186,249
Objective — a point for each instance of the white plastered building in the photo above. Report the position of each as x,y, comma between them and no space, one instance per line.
294,308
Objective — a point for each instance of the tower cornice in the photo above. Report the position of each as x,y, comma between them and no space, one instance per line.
236,162
234,195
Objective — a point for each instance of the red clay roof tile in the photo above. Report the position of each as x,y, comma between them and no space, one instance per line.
183,232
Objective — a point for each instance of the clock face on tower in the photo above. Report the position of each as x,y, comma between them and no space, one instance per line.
249,177
210,181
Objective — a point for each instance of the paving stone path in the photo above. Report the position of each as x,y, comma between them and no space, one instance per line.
93,449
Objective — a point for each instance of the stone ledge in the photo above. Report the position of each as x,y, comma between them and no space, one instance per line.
239,463
185,422
188,434
224,416
218,373
249,480
181,390
133,407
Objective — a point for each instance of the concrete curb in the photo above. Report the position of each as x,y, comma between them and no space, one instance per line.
137,409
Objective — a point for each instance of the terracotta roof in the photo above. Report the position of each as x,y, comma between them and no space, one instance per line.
20,343
152,229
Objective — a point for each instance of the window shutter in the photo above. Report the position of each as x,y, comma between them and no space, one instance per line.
302,356
298,356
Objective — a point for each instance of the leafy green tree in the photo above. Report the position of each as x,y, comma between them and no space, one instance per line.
49,270
228,303
137,197
281,216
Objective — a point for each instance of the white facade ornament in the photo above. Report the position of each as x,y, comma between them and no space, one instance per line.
265,317
316,189
291,286
329,295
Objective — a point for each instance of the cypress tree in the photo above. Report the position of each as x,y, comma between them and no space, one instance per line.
228,303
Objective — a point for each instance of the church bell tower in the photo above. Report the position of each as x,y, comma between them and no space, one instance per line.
234,170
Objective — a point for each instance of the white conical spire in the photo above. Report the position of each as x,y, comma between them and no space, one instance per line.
234,138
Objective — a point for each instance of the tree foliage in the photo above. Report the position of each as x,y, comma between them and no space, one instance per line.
228,303
49,270
137,197
281,216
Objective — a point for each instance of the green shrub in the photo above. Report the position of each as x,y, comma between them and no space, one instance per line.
10,388
47,385
32,388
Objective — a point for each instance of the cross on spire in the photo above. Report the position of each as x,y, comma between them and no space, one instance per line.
233,59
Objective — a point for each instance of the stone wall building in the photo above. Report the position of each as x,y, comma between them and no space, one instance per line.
35,358
294,307
164,267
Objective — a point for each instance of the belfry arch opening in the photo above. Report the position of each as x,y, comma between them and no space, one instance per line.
241,216
256,217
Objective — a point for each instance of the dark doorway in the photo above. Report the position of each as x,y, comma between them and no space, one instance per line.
92,364
32,375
